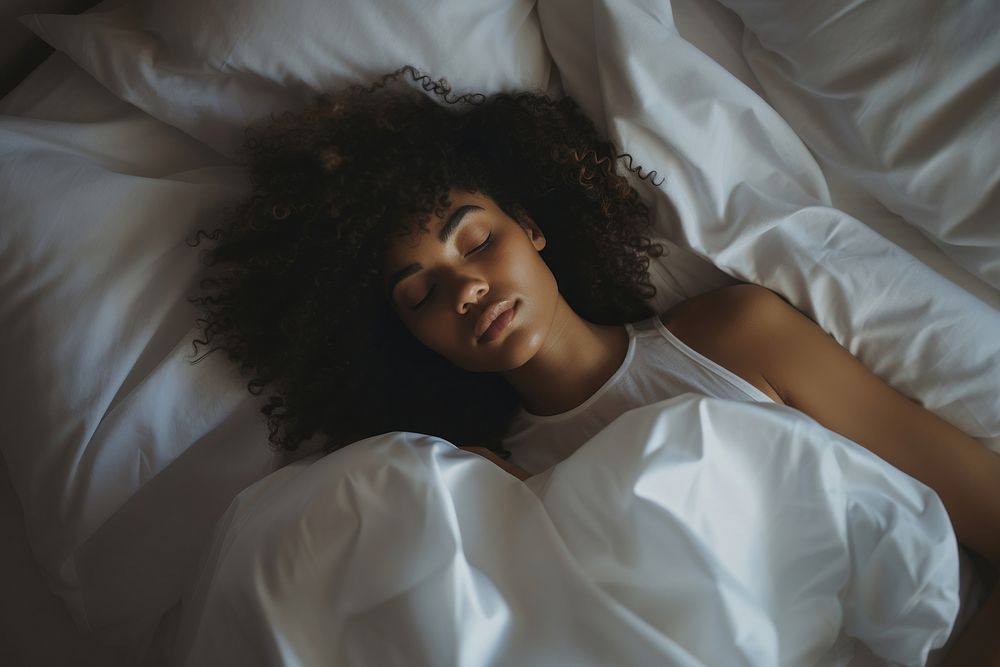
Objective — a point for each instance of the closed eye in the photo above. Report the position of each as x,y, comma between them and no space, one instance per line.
489,239
425,299
481,245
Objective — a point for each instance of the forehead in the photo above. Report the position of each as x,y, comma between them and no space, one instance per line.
410,233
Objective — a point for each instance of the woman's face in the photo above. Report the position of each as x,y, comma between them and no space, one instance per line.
473,287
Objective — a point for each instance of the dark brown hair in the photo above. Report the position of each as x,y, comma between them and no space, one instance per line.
293,290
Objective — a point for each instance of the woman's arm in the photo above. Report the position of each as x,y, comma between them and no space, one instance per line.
746,327
813,373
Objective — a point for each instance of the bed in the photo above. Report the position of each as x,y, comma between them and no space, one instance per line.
146,522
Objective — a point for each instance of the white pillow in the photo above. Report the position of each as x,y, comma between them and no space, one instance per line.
123,454
751,198
213,67
903,98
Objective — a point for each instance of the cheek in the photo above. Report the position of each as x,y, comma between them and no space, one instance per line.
430,332
541,287
439,334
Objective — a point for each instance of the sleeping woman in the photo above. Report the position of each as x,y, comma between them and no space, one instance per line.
475,268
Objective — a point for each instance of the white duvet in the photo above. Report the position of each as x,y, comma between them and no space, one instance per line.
694,531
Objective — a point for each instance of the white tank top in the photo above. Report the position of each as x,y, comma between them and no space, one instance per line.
657,366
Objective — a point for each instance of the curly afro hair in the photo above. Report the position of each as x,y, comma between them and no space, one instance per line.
293,292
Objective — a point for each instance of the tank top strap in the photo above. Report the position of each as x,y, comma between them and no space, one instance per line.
643,328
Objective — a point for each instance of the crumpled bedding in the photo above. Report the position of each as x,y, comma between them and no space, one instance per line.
694,531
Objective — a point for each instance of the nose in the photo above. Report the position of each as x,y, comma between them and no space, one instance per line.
469,291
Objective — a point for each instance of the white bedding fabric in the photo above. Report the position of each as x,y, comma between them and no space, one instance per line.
213,67
36,630
695,531
109,433
124,456
901,98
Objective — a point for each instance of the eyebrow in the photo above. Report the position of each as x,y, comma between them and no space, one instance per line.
447,231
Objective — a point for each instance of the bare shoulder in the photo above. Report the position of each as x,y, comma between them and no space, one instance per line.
719,310
757,335
725,325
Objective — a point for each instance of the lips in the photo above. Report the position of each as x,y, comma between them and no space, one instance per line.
499,324
493,315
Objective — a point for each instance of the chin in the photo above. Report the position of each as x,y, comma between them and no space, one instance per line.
515,351
505,355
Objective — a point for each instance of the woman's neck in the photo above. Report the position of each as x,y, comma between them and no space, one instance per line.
575,360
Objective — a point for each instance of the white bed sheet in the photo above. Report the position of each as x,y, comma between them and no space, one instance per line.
719,33
687,533
36,628
902,99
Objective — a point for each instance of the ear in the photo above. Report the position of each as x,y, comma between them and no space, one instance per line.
531,229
